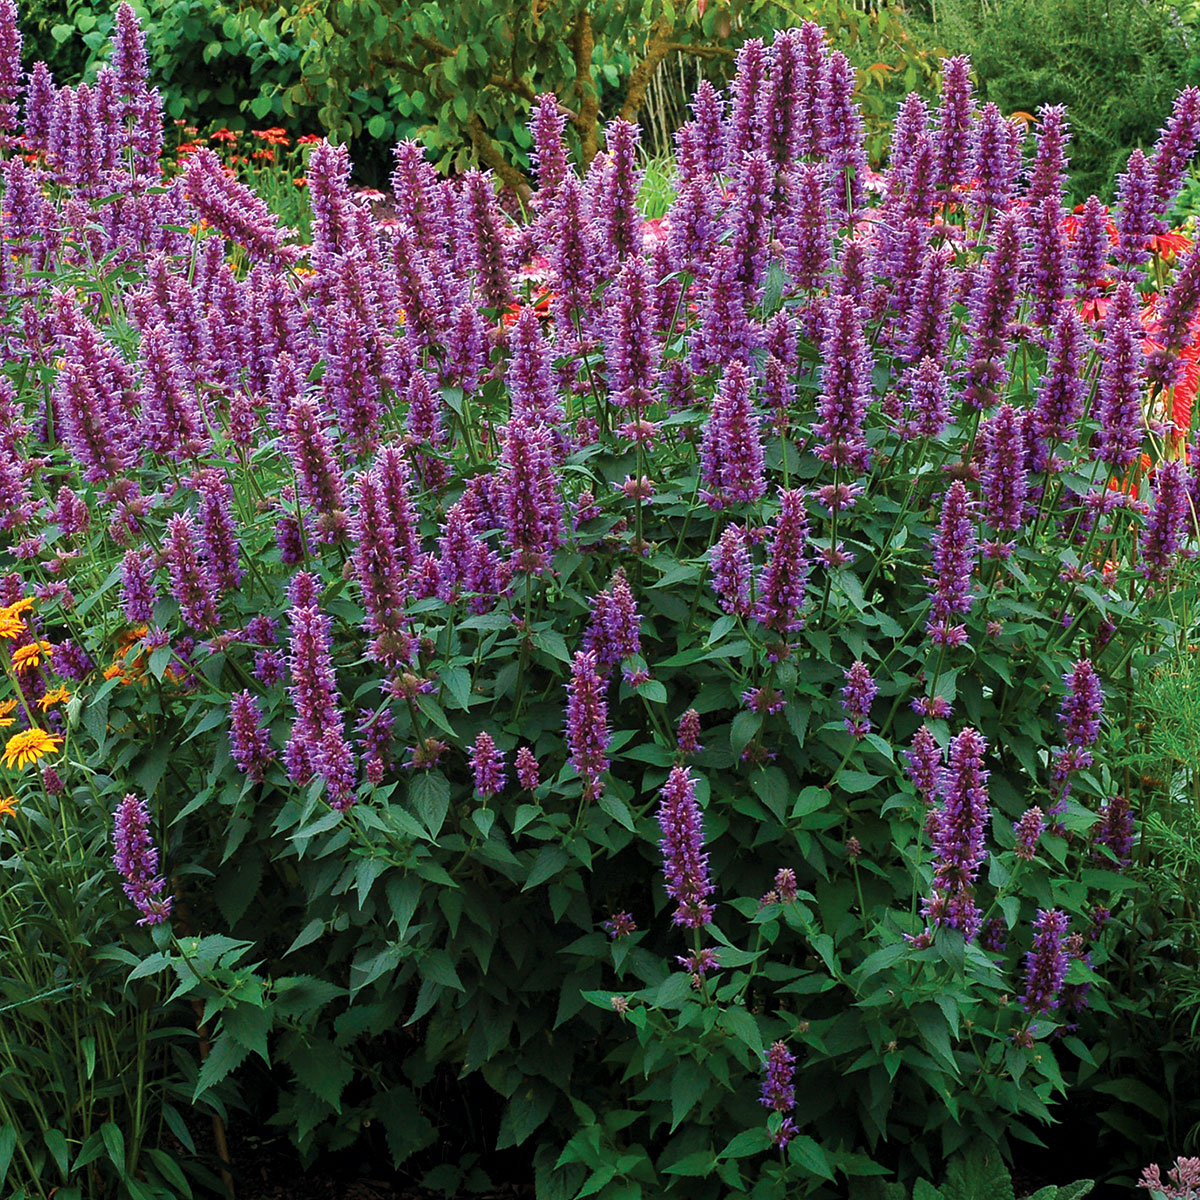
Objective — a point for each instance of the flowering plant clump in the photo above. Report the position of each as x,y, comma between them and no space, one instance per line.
653,674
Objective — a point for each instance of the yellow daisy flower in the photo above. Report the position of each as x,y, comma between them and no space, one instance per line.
28,746
8,806
6,713
11,625
58,695
26,657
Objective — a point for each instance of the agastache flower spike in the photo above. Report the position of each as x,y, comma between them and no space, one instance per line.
846,388
778,1092
1046,262
928,410
310,447
1175,148
924,764
630,349
1136,219
858,693
587,723
911,124
732,571
928,326
685,864
1060,395
529,372
528,774
1090,249
138,592
1028,831
614,632
1046,964
992,306
958,841
379,575
807,236
1166,526
549,154
219,530
954,546
1004,481
11,76
784,581
708,118
688,734
1050,156
192,586
481,227
749,86
1082,706
996,154
487,766
532,508
731,457
235,210
842,135
1119,402
250,742
136,858
954,122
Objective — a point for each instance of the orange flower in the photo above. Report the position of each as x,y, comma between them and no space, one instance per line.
8,806
58,695
25,658
223,135
6,713
11,625
28,746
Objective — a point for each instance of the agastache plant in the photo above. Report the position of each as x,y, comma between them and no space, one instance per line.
821,523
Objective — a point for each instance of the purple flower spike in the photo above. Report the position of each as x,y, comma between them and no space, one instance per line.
1166,526
688,734
1060,395
1082,706
685,864
784,582
1046,964
1050,156
614,631
1122,426
858,694
846,388
138,592
249,741
778,1092
954,123
1028,831
532,510
235,210
1175,148
549,154
1004,480
136,858
1115,829
587,723
487,766
528,773
925,765
954,546
1090,250
732,571
992,306
731,456
842,136
11,76
191,585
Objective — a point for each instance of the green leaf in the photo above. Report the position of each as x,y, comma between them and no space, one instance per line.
546,864
698,1163
56,1143
8,1146
226,1055
322,1069
430,796
114,1143
808,1154
62,33
691,1081
744,1027
405,1126
748,1142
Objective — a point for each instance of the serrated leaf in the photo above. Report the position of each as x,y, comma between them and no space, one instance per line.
322,1069
225,1055
405,1127
690,1082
